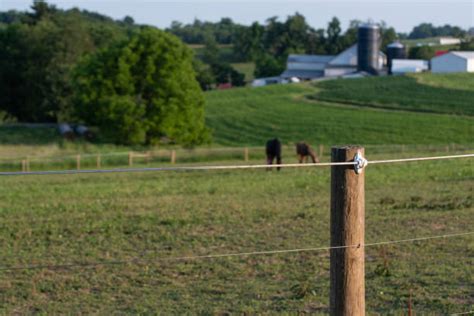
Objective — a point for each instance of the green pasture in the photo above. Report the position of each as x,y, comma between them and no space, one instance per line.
151,217
250,116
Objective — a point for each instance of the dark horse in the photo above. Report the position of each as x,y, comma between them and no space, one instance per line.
303,150
273,150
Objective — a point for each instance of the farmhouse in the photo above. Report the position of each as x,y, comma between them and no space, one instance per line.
453,62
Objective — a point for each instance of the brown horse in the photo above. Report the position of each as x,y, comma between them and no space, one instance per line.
273,150
303,150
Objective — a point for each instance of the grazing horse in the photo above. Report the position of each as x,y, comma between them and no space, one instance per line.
273,150
303,150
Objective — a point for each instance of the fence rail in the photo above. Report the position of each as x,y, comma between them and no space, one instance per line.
172,156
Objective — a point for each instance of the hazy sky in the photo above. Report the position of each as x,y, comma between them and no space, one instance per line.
402,14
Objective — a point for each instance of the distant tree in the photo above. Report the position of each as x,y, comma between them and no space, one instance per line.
225,73
333,42
128,20
38,53
468,45
268,66
422,52
41,10
315,43
248,44
389,35
204,74
11,16
211,50
141,90
425,30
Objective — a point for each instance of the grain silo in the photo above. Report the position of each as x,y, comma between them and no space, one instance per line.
396,50
368,47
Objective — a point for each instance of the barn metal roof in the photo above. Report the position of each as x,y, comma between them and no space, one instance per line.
310,58
303,74
466,55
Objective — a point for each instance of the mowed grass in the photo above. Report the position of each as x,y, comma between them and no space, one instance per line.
156,216
436,93
250,116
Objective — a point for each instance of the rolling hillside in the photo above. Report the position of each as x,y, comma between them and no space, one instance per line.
450,94
250,116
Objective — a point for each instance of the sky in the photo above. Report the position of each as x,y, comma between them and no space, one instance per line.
401,14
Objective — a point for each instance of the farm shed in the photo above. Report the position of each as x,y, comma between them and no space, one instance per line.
306,67
453,62
403,66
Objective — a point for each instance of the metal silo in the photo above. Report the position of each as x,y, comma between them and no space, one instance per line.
396,50
368,48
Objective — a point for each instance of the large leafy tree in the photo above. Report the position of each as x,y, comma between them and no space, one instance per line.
142,90
38,52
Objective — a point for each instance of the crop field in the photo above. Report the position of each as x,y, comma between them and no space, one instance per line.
250,116
147,218
448,94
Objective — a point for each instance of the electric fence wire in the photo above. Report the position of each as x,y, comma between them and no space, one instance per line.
223,255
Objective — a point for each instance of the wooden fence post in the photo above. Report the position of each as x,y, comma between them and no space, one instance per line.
148,157
130,159
27,164
246,154
98,161
23,165
173,156
78,162
347,293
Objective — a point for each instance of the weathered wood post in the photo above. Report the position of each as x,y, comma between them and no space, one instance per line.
78,162
130,159
23,165
246,154
98,161
148,157
347,294
173,156
27,163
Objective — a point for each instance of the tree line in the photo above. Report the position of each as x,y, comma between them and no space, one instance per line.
136,83
269,44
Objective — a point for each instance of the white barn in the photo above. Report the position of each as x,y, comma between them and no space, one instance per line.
453,62
306,67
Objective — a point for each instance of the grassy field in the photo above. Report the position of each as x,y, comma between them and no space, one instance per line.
154,216
449,94
250,116
145,219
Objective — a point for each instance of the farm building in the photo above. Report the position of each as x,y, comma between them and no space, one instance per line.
403,66
308,67
347,62
449,41
453,62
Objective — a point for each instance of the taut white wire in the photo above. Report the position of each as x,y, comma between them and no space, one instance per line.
373,162
230,167
190,168
226,255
